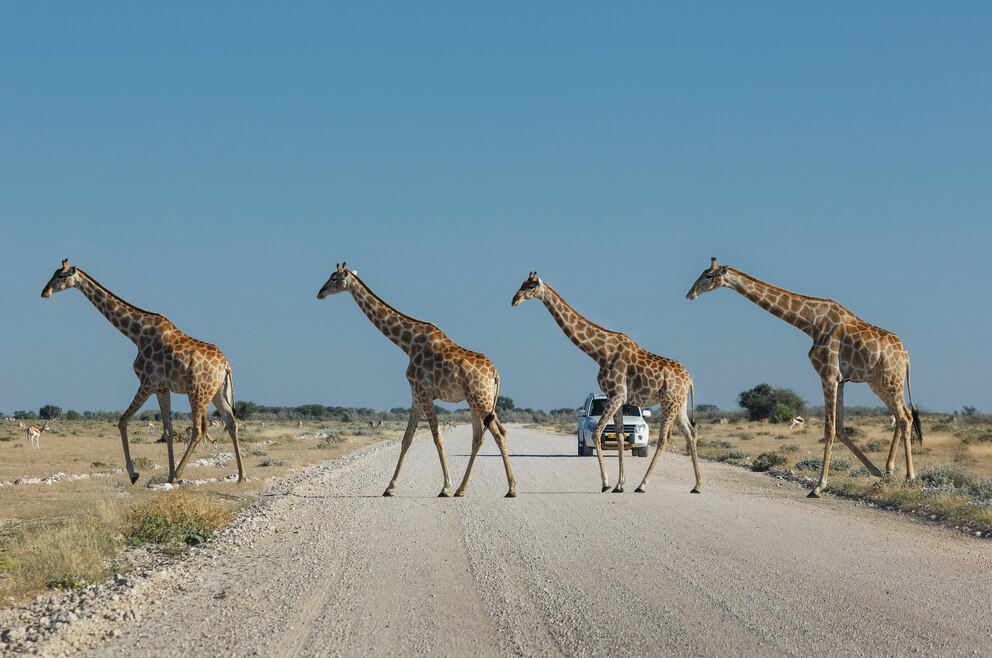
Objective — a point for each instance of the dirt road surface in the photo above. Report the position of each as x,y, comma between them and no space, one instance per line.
750,567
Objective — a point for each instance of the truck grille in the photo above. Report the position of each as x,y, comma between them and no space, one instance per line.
627,429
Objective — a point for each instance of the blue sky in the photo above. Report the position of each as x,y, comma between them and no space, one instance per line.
213,161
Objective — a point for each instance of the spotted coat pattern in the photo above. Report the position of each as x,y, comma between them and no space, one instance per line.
845,349
628,374
439,369
168,361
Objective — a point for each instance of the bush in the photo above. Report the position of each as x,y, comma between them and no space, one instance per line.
837,464
727,455
178,518
720,443
765,401
768,460
50,412
875,446
853,433
946,477
73,415
789,447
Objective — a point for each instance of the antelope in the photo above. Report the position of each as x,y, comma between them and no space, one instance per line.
21,426
797,421
299,424
720,421
34,434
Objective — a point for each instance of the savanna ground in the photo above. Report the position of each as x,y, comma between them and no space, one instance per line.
73,530
56,535
953,466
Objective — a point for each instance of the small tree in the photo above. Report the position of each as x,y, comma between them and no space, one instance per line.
72,414
245,409
776,404
504,403
50,412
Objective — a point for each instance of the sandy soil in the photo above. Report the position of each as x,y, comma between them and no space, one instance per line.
325,566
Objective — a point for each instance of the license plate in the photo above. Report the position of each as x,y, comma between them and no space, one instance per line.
611,436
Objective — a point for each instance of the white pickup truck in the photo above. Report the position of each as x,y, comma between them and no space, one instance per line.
635,428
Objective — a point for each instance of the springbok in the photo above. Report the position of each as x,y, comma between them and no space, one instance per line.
719,421
34,434
797,421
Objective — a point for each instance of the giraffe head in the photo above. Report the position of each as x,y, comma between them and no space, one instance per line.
340,281
529,289
64,277
711,279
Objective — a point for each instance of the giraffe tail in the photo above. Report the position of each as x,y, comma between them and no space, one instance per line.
492,414
229,386
692,404
917,427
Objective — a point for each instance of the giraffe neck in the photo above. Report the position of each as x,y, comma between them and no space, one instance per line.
395,326
580,331
798,310
129,319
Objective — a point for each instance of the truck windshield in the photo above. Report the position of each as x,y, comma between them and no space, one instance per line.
599,404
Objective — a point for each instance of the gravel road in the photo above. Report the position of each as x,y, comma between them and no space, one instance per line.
327,567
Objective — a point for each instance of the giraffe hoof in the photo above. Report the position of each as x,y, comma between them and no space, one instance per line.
640,489
460,493
618,489
606,488
510,494
134,478
695,490
815,493
444,494
388,493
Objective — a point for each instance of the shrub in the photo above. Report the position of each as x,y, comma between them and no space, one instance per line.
838,464
853,433
720,443
859,472
789,447
727,455
875,446
765,401
177,518
142,462
946,477
50,412
768,460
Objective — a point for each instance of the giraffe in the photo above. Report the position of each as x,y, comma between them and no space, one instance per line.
845,349
627,374
439,370
168,361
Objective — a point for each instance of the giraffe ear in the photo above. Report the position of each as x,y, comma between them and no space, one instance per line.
344,266
65,264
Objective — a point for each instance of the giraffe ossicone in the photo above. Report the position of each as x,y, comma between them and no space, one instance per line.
168,361
439,369
845,349
627,374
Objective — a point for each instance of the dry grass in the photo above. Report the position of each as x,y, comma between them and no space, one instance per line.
73,528
955,446
75,549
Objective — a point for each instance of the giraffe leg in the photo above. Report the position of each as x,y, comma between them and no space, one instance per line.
689,432
231,423
612,405
501,436
165,405
476,444
897,411
665,433
830,411
427,407
411,428
140,398
892,397
198,409
621,446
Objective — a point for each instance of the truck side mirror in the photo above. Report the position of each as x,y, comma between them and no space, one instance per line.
646,413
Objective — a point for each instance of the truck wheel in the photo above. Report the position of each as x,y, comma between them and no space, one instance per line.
642,452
